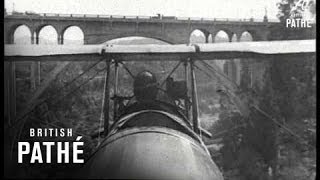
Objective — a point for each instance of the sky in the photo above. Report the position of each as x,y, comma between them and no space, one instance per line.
180,8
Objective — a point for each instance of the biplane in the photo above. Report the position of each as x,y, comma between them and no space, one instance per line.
151,137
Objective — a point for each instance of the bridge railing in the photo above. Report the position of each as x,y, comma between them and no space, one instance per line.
49,14
183,18
143,17
273,20
64,15
136,17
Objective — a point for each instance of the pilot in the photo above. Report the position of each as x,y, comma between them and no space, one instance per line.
145,87
147,95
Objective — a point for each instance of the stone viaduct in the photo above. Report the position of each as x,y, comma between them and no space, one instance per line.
101,28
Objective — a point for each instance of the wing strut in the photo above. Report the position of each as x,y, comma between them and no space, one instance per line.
115,92
187,103
195,108
106,100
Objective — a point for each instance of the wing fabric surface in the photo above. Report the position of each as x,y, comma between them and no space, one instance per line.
255,49
160,52
52,52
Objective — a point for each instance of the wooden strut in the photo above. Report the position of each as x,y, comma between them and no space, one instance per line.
106,100
195,108
186,100
115,103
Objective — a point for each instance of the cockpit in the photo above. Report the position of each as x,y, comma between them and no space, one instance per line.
152,106
148,95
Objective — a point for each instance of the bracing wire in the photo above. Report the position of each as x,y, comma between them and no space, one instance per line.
17,138
257,108
288,130
80,75
58,100
212,69
204,72
18,120
172,71
127,69
101,113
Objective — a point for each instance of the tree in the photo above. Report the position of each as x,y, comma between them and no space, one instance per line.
295,9
284,7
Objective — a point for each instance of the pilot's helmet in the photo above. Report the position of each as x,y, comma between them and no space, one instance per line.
145,86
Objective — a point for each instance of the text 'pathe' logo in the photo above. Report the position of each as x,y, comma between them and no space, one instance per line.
300,15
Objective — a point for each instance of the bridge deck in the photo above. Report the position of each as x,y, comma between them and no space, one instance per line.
101,17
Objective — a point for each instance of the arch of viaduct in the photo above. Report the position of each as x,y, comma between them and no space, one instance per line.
99,30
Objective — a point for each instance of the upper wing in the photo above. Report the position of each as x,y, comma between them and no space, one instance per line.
211,51
161,52
255,49
150,52
52,52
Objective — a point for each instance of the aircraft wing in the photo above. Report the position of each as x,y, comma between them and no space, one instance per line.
255,49
212,51
150,52
52,52
161,52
